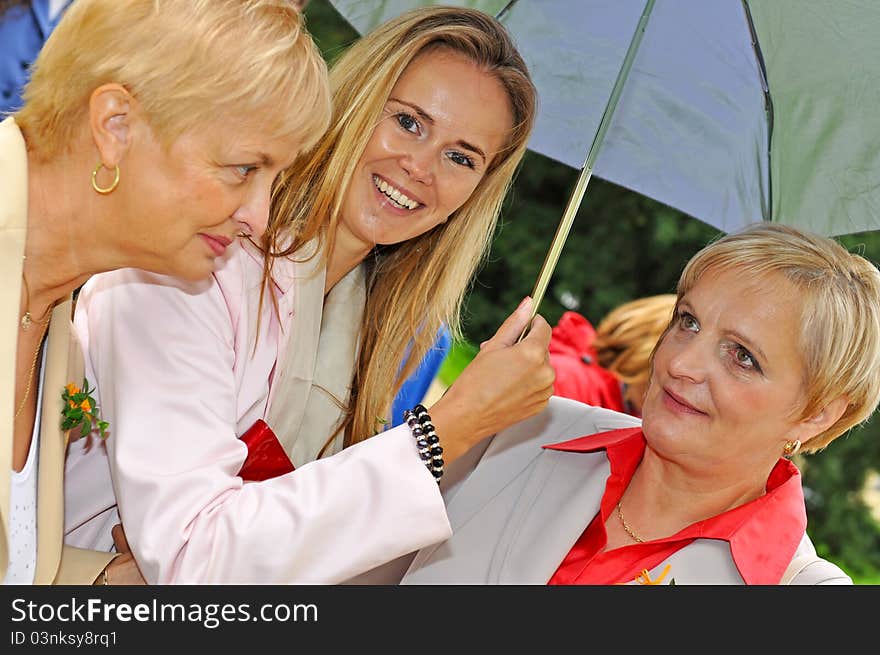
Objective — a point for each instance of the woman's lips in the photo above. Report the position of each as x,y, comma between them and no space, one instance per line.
679,404
217,244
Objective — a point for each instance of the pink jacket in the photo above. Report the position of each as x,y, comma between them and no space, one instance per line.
182,371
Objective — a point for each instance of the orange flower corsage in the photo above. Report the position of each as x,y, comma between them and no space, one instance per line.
81,411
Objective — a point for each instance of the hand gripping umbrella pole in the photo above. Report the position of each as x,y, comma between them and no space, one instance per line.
586,173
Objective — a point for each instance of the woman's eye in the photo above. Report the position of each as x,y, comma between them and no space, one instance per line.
244,170
741,357
744,358
461,159
688,322
408,122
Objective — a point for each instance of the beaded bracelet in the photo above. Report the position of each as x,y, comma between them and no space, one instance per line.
428,442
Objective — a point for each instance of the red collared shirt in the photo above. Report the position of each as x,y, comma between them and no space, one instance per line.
778,519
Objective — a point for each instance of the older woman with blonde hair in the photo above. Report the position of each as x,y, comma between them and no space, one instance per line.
773,349
375,235
150,135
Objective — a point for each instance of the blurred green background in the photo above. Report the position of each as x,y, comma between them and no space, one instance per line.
623,246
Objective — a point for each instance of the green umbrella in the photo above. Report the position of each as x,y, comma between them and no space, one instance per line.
732,111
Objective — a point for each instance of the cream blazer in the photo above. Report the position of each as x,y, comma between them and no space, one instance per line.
55,564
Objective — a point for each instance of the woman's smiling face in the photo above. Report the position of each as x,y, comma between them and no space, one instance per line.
444,122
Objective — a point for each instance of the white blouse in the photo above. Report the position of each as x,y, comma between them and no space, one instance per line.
23,506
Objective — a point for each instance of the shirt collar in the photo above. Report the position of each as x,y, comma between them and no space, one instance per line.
622,440
48,13
778,518
55,8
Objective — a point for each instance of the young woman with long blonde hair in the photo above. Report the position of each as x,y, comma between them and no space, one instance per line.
374,237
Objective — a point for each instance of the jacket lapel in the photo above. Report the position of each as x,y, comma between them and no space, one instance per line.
63,360
558,502
334,366
295,367
13,225
319,366
705,561
514,450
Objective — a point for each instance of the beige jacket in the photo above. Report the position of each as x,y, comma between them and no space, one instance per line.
55,563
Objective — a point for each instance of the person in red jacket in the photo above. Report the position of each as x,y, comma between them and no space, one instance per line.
609,366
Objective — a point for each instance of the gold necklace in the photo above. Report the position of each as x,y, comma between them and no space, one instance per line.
26,318
626,527
30,380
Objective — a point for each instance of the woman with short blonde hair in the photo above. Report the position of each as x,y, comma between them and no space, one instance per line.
774,350
839,336
150,136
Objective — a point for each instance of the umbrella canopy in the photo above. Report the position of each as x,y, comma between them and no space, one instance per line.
733,111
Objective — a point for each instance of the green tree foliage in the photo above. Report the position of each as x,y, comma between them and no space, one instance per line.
839,522
331,32
623,246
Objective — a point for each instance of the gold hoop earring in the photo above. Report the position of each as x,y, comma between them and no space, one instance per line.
105,190
791,448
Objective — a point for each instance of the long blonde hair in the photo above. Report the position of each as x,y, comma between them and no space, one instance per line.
415,286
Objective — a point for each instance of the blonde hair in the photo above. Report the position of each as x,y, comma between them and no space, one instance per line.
840,316
626,337
187,62
415,286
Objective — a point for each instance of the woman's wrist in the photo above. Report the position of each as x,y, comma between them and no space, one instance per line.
453,427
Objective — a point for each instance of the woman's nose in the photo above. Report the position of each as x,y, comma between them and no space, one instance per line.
688,359
418,162
253,214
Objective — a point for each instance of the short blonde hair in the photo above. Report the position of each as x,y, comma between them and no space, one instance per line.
417,285
626,337
187,62
840,316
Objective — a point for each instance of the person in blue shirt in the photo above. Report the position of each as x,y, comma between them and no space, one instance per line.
416,385
24,27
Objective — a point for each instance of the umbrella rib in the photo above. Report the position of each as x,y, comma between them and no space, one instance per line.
505,9
768,106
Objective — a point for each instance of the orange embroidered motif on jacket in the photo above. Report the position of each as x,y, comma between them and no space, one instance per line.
645,578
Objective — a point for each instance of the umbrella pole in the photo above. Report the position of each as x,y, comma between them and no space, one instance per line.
586,173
